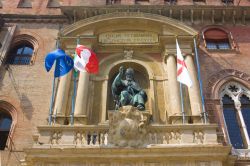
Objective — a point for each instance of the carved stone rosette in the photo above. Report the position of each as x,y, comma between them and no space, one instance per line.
128,127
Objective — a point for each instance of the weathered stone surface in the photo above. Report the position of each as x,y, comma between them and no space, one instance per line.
128,127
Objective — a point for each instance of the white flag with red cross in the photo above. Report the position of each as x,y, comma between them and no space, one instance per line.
182,72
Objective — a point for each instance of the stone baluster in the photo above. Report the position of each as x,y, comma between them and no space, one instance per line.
102,138
173,89
194,91
80,114
62,97
84,138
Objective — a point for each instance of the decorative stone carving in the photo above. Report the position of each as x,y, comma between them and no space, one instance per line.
174,137
55,137
235,91
198,137
128,54
78,138
128,127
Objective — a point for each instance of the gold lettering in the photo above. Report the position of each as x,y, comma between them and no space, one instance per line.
128,37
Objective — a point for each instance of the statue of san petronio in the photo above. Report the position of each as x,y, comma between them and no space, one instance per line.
127,91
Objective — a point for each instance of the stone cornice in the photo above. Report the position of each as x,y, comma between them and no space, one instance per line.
209,152
192,14
19,18
104,127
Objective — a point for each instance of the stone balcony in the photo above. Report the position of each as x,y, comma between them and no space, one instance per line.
96,136
129,138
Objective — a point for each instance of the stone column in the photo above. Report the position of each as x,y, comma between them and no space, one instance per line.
173,90
242,122
62,97
81,99
194,91
104,101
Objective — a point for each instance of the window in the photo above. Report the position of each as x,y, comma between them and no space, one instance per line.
170,2
110,2
21,54
199,2
142,2
216,39
25,4
5,125
236,111
228,2
53,4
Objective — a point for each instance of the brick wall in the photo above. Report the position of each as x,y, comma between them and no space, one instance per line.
28,88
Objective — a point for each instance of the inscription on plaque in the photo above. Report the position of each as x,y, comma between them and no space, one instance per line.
128,37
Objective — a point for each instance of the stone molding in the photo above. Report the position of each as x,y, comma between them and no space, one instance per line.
223,76
131,15
155,156
24,18
206,14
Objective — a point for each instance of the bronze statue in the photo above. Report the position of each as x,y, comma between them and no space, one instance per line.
128,92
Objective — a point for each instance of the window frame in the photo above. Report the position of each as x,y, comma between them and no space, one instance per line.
24,38
23,45
11,110
225,2
51,6
236,97
6,131
230,40
20,4
170,2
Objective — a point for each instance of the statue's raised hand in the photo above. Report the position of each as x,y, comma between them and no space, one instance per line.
121,70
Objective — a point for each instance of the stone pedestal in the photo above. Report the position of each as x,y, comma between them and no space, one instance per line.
80,120
128,127
59,120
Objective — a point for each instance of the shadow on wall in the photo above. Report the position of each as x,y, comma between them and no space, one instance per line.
26,103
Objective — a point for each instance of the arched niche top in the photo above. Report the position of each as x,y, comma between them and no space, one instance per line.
114,67
120,20
127,64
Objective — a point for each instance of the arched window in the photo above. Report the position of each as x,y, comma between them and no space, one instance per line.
245,109
236,111
5,125
21,54
216,39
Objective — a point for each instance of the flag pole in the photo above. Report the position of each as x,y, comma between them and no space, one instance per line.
52,101
182,105
74,91
204,114
181,94
53,93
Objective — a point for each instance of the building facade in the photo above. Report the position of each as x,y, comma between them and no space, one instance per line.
213,127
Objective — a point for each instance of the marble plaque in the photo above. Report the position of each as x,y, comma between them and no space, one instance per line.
128,37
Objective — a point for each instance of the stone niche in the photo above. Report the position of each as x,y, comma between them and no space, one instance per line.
141,77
